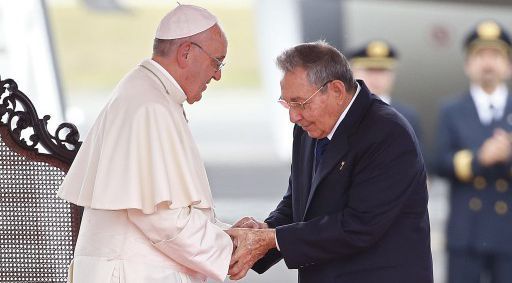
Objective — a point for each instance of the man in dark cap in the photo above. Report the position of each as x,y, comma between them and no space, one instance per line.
375,64
474,153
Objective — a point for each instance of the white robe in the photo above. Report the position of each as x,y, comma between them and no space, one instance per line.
148,206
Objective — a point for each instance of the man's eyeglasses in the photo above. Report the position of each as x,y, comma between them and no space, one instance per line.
218,63
300,105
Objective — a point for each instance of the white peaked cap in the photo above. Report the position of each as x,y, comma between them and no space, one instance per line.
183,21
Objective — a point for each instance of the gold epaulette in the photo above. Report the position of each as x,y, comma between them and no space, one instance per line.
462,165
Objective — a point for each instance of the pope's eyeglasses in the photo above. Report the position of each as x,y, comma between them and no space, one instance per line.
218,63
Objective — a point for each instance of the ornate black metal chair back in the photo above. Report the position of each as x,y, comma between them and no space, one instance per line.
38,231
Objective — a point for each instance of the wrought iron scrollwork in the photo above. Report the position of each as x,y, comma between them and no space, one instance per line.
18,114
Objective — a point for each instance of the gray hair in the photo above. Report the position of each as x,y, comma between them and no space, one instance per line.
162,47
321,61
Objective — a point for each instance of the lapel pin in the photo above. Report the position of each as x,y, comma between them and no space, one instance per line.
342,164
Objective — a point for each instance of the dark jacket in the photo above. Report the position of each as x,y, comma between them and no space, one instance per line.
363,216
411,115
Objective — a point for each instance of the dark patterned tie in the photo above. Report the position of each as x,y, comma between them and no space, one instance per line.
320,147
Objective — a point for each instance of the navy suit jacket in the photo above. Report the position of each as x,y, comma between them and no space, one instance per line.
411,115
480,208
363,216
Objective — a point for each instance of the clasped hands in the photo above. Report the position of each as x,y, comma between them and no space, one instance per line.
251,241
496,149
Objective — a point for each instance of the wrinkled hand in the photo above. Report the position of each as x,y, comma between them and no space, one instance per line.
251,245
250,222
496,149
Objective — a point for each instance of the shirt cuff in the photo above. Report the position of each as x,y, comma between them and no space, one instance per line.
277,244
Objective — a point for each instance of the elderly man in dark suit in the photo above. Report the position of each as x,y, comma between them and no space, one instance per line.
356,205
474,152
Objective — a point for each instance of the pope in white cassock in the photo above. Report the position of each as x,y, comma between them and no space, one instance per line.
148,213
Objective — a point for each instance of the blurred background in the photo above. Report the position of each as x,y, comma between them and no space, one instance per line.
67,55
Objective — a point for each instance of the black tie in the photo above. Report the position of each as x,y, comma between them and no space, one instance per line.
321,145
495,113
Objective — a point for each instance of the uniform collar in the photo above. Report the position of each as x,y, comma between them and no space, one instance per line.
483,102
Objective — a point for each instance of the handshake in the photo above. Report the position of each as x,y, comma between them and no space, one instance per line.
251,241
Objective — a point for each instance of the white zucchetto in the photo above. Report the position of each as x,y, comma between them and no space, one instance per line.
184,21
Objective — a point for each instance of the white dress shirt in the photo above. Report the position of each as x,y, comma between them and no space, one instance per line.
344,113
386,98
489,106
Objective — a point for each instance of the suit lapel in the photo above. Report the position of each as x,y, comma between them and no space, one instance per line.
339,144
507,114
334,152
306,163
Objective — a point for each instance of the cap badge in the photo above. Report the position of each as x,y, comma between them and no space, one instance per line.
377,49
488,30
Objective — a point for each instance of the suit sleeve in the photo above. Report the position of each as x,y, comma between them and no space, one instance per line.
454,161
188,237
382,181
413,118
282,215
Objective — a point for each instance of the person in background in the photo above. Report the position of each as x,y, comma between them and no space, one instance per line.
375,64
474,153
